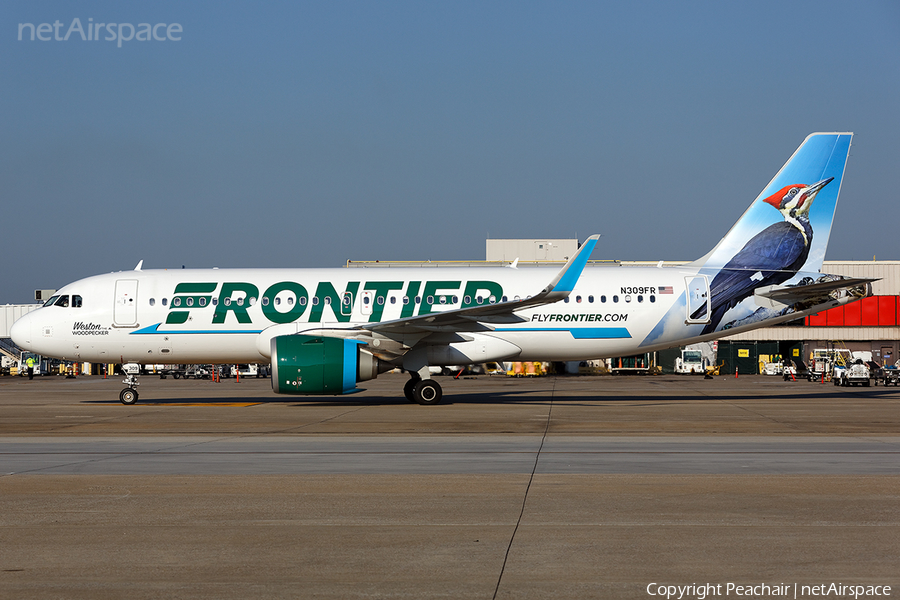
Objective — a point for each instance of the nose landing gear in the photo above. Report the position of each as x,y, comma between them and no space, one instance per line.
129,395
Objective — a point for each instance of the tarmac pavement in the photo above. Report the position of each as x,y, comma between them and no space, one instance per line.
570,487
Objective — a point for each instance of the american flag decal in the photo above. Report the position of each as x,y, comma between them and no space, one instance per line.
665,289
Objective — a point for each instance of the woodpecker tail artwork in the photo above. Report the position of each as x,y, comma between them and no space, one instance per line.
768,264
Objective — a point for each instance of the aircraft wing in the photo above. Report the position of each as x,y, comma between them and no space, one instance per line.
481,318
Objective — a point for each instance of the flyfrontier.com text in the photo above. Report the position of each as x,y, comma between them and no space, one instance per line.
701,591
92,32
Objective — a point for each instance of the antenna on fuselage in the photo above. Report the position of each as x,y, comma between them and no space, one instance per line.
139,265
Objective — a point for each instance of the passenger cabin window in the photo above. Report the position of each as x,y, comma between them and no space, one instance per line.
152,301
603,299
165,301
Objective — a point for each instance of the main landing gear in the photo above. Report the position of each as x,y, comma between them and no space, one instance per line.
422,391
129,395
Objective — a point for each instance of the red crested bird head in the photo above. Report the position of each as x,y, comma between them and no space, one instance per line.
796,200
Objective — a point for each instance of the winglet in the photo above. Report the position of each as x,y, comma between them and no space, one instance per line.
565,280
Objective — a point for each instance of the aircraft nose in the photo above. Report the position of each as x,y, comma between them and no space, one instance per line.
20,332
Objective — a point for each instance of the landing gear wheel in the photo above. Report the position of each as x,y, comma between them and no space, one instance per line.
427,392
128,396
409,390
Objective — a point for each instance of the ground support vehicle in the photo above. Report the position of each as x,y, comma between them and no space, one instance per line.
690,362
641,364
795,369
856,373
197,372
890,375
773,368
823,362
41,365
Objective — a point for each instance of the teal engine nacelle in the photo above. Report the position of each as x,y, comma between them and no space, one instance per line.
307,364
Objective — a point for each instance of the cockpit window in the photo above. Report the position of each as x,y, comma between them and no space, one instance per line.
63,301
76,301
51,301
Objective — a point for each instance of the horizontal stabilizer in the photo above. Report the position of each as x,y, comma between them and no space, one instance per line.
801,293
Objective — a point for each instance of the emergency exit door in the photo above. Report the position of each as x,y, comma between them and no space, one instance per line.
125,308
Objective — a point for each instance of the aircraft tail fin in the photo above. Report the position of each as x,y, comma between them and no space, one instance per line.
803,196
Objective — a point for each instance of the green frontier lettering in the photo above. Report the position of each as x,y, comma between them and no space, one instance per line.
470,296
235,297
411,291
239,305
381,289
185,297
431,289
326,290
295,311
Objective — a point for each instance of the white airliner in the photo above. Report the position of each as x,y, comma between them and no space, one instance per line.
325,330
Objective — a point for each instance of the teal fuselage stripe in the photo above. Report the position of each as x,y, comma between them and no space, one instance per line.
154,329
580,333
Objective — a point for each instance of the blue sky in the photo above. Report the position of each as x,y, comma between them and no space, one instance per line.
305,134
